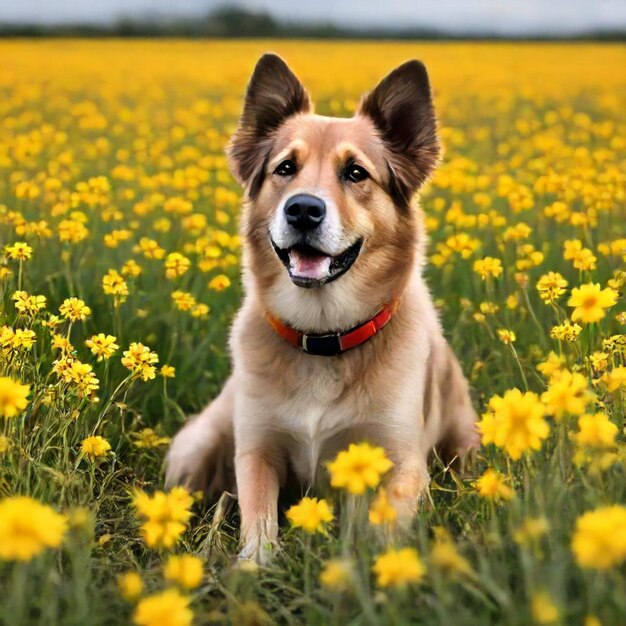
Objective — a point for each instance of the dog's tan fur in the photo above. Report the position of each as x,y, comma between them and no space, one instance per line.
283,411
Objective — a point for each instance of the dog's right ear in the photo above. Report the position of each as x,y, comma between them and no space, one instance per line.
401,107
274,94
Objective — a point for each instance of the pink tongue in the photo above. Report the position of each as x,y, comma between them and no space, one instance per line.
309,266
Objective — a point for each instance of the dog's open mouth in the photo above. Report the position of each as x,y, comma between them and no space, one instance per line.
311,268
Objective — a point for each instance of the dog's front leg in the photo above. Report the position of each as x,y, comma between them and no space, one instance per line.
258,484
407,485
408,480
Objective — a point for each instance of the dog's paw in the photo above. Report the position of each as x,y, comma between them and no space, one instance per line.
258,550
186,460
200,459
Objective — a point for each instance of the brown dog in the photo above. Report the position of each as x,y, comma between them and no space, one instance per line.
337,339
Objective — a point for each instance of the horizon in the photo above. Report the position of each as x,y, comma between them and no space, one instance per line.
515,18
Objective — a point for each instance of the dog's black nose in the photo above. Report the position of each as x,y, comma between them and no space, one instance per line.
304,211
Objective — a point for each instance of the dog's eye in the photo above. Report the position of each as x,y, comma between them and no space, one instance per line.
286,168
355,173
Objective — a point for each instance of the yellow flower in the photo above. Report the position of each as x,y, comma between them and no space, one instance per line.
200,310
397,568
615,379
183,300
52,322
381,510
95,447
163,225
219,282
166,516
599,540
140,360
512,301
515,422
463,244
167,371
531,530
596,431
186,570
112,239
19,251
359,467
28,305
492,486
7,336
551,365
590,301
571,247
28,527
24,338
567,393
445,556
13,397
147,438
74,309
521,279
101,345
585,260
597,460
79,517
72,231
150,248
615,344
599,361
131,268
543,609
166,608
489,308
176,265
506,336
551,287
178,205
336,575
520,231
488,267
130,585
113,284
565,331
80,375
5,444
582,258
83,377
311,515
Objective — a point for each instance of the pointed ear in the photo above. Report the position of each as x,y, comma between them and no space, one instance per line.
402,109
273,95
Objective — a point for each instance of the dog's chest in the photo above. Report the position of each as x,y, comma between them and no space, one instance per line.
315,413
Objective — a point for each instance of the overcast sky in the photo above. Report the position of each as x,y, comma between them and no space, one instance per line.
498,16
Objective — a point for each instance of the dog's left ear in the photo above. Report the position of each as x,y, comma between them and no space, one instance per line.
274,94
401,107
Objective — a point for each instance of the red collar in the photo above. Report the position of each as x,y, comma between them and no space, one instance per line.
332,344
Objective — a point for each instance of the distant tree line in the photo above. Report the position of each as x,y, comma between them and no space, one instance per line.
231,22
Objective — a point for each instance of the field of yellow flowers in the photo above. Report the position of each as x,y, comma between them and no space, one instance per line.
118,278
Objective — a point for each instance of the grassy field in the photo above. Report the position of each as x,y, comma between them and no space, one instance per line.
114,190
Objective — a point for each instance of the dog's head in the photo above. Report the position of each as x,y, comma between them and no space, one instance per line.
327,200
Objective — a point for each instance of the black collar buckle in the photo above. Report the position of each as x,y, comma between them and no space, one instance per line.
322,345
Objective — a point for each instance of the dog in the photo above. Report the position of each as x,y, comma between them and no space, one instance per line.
337,339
